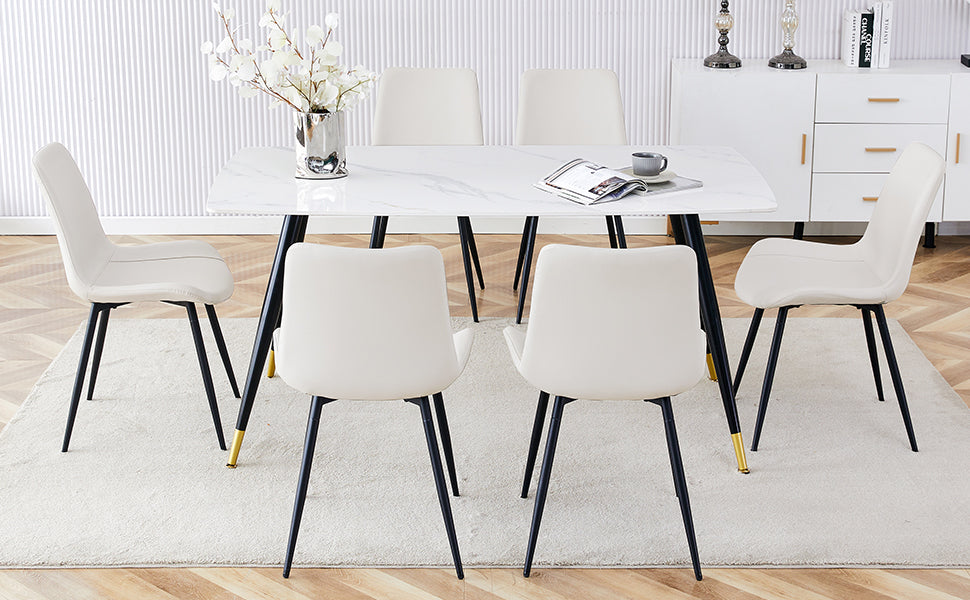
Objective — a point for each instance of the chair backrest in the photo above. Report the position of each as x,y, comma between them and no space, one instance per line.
570,106
362,324
427,107
889,244
614,324
84,247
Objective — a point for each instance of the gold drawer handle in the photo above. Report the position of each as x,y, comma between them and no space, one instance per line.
805,137
957,161
870,198
883,99
871,149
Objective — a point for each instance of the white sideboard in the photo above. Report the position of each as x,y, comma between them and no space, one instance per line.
825,137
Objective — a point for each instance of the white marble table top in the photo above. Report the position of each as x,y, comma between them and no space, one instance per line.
476,181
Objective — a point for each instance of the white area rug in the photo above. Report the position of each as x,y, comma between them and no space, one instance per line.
834,482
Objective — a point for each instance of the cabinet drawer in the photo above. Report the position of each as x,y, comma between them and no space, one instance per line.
882,98
851,197
869,148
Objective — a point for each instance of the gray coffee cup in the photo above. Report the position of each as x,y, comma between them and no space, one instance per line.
648,164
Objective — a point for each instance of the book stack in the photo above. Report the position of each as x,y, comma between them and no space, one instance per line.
867,36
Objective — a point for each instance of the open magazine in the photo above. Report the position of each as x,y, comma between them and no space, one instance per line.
588,183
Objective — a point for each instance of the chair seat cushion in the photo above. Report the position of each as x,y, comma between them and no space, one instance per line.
785,272
182,271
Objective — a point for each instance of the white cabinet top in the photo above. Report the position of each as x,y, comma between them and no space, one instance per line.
476,181
760,65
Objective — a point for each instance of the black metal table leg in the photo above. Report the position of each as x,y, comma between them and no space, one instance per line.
620,233
463,233
294,230
690,229
533,223
522,244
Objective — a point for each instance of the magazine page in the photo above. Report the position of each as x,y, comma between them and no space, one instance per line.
588,183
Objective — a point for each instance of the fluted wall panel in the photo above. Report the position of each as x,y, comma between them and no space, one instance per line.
123,84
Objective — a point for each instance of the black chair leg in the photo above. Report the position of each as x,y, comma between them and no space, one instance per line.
466,260
82,365
544,476
312,427
98,348
533,224
474,249
445,432
620,233
210,312
210,391
611,230
873,356
769,373
530,461
748,346
680,482
522,244
439,482
887,345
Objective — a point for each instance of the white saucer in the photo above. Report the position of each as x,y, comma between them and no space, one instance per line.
663,177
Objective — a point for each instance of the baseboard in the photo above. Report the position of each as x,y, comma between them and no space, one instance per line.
255,225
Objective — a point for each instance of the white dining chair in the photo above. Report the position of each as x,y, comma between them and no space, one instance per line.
109,275
561,107
786,273
610,325
431,107
370,325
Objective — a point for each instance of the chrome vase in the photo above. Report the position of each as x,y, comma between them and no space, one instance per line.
321,145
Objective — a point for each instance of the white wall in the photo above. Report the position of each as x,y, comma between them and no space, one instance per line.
123,85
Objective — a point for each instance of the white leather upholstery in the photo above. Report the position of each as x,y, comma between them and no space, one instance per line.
366,324
875,270
100,271
612,324
427,107
570,106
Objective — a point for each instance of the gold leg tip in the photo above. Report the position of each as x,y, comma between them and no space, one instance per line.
745,470
271,364
711,371
739,453
230,466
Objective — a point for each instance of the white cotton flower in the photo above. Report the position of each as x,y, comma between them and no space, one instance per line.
248,91
292,58
215,7
326,94
218,72
273,6
206,48
327,60
247,69
233,79
333,48
245,45
229,13
225,45
266,20
314,35
332,20
262,48
271,69
277,39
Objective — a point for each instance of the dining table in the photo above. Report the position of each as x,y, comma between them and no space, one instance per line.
482,181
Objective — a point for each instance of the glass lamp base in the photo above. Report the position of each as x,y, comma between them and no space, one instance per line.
787,60
722,59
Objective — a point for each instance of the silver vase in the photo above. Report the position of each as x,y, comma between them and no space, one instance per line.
321,145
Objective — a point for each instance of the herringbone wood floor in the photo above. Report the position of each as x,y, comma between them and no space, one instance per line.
40,313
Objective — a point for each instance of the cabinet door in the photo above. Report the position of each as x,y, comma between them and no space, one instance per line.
767,116
956,194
